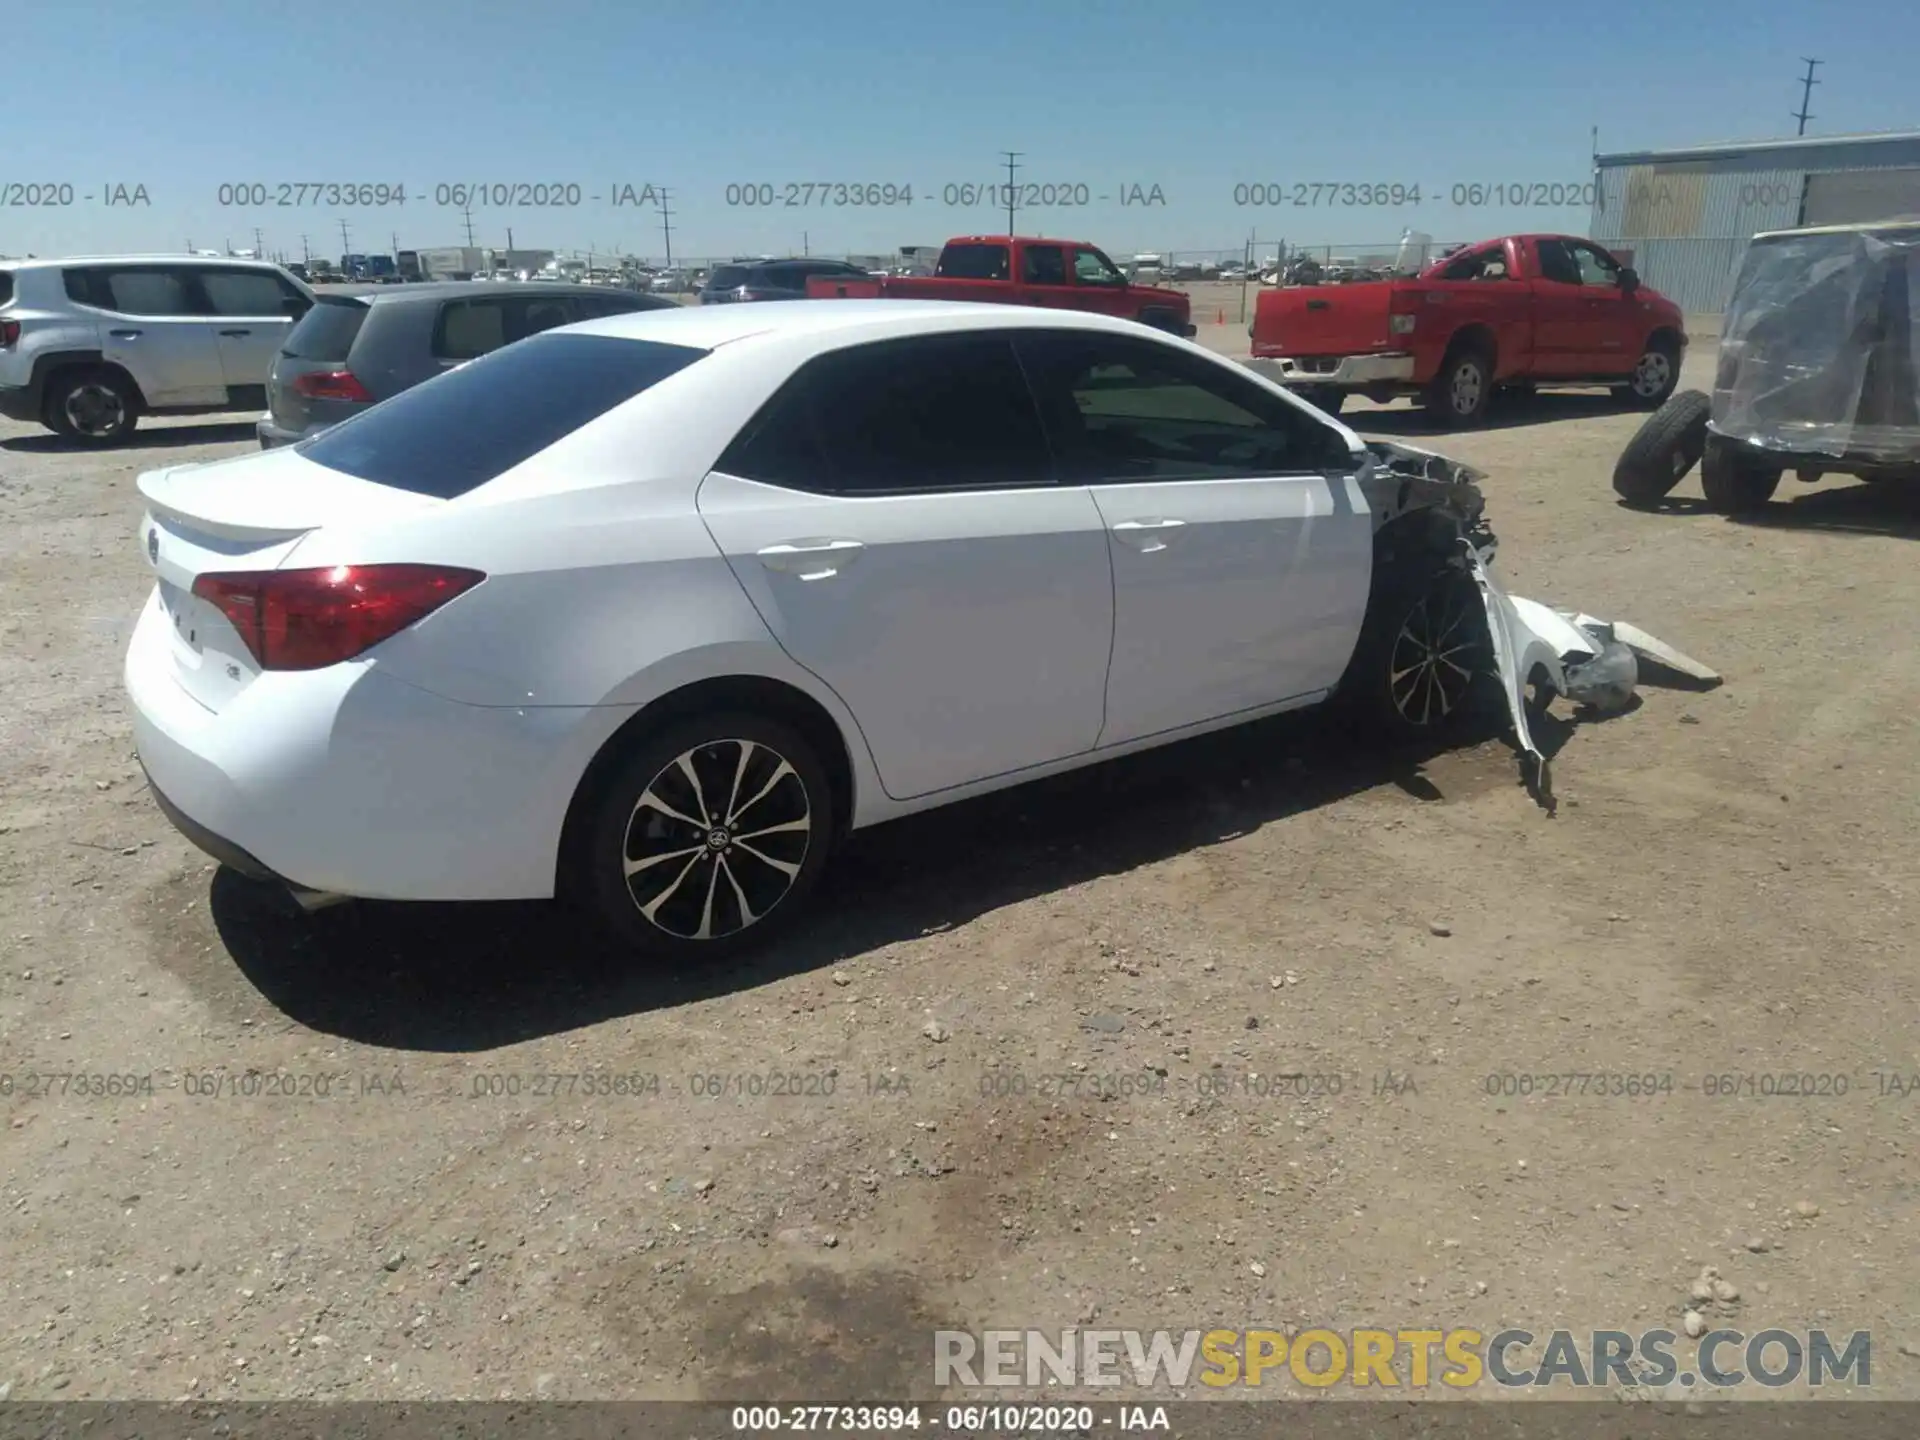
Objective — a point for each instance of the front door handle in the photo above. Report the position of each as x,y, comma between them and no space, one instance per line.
811,559
1147,536
236,334
126,334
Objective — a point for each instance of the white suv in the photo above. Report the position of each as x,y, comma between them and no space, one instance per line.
88,345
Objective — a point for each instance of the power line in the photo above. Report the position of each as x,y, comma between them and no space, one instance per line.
1806,93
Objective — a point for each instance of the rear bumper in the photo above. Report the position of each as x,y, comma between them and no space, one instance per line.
273,436
1345,371
346,781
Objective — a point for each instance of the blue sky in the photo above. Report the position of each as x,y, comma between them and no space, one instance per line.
186,96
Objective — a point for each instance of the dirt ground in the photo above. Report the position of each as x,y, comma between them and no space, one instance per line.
833,1151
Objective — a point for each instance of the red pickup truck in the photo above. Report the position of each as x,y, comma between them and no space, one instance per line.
1518,312
1016,270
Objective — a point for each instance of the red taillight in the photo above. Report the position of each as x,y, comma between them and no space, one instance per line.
9,334
310,619
331,385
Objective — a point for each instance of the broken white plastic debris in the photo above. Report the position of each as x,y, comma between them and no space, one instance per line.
1649,647
1577,655
1519,652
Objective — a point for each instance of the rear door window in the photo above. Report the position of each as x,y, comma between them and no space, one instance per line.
460,430
157,290
6,287
468,329
327,332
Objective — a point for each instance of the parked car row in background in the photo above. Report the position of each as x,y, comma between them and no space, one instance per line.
89,346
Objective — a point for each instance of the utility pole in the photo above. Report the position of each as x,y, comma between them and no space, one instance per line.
666,226
1806,92
346,246
306,255
1012,156
467,210
803,244
259,245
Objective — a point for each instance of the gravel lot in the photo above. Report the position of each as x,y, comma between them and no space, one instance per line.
1727,889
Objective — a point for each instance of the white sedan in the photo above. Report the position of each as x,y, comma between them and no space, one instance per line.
651,611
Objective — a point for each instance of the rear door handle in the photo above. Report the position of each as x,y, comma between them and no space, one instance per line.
811,559
236,333
126,334
1147,536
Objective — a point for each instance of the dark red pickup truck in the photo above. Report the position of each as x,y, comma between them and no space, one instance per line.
1016,270
1520,311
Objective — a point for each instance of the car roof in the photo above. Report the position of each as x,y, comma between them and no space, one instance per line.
420,292
1858,227
50,261
707,327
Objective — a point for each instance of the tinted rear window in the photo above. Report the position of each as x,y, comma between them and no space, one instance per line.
326,332
460,430
729,277
6,287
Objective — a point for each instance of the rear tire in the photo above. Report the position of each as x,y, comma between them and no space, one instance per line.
95,406
1458,397
687,871
1656,374
1663,449
1736,480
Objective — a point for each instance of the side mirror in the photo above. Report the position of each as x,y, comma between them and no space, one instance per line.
1629,280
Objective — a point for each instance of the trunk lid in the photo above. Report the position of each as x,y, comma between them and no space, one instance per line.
1305,320
249,513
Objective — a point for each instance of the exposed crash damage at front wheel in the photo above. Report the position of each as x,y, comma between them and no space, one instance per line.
1429,512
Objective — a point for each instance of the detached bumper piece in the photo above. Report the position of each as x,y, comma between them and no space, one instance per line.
223,850
1594,663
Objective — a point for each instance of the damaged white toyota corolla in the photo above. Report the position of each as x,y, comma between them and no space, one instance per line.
650,612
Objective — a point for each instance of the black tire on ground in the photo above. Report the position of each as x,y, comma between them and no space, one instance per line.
673,889
1325,398
1161,320
1656,374
1736,480
1458,397
1423,670
94,405
1663,449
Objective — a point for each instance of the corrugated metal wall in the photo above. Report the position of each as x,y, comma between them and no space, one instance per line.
1687,202
1688,222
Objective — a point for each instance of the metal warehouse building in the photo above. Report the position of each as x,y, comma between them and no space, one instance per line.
1687,215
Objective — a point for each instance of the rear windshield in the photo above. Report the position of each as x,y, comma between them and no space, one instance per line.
973,262
729,277
326,332
6,287
462,429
